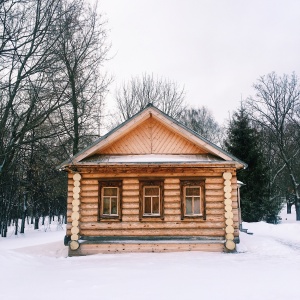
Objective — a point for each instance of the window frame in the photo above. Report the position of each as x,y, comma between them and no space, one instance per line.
144,183
184,183
108,183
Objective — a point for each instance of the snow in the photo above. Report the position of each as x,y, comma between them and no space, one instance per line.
266,266
152,158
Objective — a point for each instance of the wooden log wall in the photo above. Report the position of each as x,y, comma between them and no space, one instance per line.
172,225
87,249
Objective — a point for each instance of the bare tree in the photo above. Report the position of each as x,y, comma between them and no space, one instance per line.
274,107
26,51
81,51
202,121
51,91
163,93
28,37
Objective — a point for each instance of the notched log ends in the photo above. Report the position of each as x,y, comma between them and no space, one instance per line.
229,244
74,244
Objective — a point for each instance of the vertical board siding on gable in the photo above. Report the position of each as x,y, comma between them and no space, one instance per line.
138,141
152,137
165,141
157,132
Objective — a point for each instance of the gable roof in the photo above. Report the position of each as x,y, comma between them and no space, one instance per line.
152,137
208,150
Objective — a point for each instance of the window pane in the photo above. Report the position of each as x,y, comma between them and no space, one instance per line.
147,208
155,203
192,191
110,191
114,208
152,191
188,210
106,205
197,205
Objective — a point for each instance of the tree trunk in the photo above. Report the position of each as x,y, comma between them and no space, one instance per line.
36,222
24,214
16,226
3,227
297,204
23,222
289,208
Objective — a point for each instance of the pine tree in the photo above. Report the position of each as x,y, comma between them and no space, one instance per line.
243,141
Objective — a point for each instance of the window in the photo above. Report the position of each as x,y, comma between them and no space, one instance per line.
109,200
151,198
192,199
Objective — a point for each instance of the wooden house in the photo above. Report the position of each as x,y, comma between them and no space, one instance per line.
152,185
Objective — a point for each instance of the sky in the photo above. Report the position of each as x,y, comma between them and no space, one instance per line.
216,49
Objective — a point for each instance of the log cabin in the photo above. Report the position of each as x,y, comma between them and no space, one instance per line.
152,185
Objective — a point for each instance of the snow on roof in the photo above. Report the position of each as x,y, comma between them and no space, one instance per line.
151,158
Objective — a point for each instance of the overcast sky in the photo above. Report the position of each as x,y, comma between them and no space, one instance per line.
216,49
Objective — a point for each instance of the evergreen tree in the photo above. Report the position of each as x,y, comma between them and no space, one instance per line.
243,141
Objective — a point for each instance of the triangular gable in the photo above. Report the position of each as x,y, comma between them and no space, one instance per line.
152,137
172,140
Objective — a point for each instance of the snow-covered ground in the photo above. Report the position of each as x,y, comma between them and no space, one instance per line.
267,266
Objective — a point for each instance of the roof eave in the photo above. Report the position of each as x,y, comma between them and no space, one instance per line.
158,164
